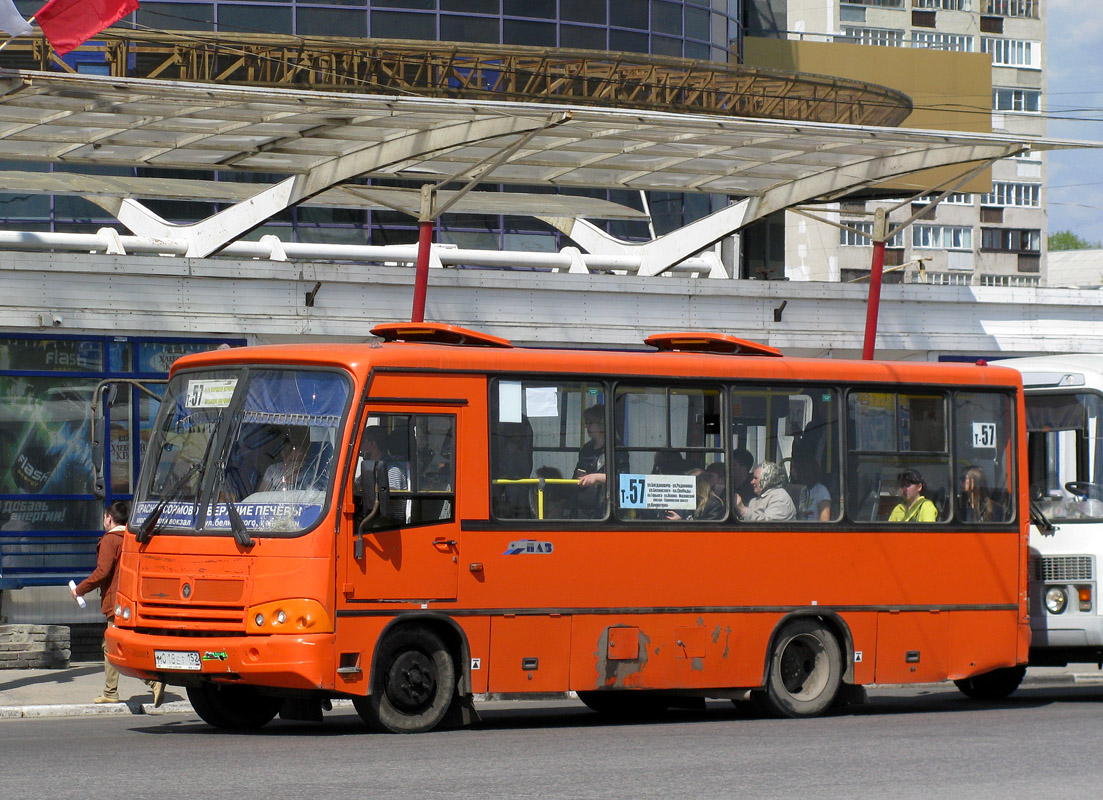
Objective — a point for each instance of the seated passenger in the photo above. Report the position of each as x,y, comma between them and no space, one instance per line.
668,462
558,497
709,505
914,506
590,471
741,463
771,502
975,502
816,501
286,472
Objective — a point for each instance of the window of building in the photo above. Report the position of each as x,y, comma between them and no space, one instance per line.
947,5
1026,281
934,40
879,37
1030,262
947,279
862,235
1028,100
1011,8
582,11
529,32
878,3
1018,195
254,18
1020,53
1012,240
991,25
923,19
942,237
403,25
581,36
172,16
536,9
952,199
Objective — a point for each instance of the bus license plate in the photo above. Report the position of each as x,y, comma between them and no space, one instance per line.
172,659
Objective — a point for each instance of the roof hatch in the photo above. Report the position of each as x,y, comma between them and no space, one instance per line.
436,333
707,342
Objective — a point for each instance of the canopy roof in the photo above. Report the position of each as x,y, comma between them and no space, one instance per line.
320,140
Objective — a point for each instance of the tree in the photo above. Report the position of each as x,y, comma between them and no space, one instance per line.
1067,240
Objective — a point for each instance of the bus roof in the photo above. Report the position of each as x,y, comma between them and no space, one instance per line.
359,358
1060,371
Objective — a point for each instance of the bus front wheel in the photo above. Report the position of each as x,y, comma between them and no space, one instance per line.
994,685
415,684
237,708
805,671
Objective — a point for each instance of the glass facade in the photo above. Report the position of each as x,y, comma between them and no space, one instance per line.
698,29
49,515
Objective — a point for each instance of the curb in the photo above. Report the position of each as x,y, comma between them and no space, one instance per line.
94,710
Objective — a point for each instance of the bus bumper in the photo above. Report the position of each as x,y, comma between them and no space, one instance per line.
302,662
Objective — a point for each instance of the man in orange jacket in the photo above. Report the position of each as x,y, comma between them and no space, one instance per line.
105,577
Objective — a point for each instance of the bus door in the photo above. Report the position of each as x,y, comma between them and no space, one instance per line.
405,534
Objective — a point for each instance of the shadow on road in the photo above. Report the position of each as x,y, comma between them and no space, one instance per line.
561,714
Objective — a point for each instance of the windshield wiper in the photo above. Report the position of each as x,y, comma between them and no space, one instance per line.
1040,520
149,525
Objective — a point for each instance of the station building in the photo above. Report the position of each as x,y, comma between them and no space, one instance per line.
78,314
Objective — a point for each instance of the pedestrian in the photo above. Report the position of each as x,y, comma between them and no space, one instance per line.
105,577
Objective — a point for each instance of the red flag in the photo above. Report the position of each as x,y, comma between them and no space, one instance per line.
69,23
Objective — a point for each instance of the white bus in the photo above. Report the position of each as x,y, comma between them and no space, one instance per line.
1064,417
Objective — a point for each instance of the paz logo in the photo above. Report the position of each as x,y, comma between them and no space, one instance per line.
526,546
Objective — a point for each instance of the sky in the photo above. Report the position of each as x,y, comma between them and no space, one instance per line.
1074,107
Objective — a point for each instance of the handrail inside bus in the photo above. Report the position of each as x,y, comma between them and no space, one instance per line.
436,333
539,483
707,342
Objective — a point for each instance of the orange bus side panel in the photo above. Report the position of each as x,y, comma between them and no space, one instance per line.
911,646
863,631
477,631
530,653
975,636
673,650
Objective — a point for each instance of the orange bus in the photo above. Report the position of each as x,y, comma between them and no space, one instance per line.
438,515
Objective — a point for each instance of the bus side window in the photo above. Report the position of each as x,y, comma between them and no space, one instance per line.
984,457
417,454
891,433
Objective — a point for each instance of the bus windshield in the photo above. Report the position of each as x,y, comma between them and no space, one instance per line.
261,441
1066,455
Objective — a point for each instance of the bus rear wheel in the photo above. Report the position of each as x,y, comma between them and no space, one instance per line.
415,684
994,685
236,708
805,671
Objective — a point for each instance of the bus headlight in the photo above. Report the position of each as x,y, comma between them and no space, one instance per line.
289,616
1056,599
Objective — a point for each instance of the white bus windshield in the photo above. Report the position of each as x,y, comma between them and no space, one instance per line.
1065,443
259,440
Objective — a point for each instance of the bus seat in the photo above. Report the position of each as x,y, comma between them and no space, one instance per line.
511,452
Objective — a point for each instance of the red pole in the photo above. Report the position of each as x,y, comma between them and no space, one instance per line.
421,276
876,268
874,302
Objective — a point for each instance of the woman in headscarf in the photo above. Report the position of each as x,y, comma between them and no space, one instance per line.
771,502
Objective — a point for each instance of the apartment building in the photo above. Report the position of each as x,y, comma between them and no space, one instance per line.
994,235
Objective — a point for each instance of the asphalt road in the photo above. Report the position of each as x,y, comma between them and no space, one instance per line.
906,743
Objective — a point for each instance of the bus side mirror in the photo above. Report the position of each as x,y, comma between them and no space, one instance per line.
99,439
374,486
